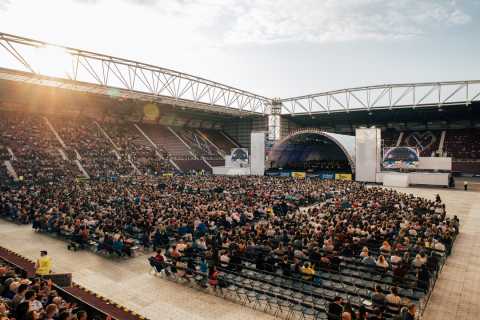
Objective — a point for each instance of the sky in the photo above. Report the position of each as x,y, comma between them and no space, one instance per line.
276,48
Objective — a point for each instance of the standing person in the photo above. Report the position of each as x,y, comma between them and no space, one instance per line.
43,266
465,185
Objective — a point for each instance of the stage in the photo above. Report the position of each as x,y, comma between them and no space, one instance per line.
400,179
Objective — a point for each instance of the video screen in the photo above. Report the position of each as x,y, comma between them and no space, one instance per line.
400,158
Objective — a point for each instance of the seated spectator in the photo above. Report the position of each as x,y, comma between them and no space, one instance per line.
369,260
347,313
364,252
362,313
213,277
420,260
224,259
395,259
378,298
382,262
385,248
393,297
335,309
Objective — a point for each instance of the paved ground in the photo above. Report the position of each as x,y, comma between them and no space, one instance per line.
128,282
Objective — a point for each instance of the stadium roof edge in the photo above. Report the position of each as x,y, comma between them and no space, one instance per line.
101,69
29,41
136,79
89,88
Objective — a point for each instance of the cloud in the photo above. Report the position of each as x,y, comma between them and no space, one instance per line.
4,4
87,1
233,22
315,21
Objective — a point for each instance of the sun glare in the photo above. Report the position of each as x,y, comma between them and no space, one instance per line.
53,61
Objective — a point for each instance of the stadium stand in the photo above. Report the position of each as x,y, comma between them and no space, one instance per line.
32,150
165,138
95,152
198,144
70,146
133,146
464,146
221,140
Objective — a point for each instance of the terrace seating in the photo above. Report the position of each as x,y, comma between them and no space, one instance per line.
219,140
251,284
35,149
216,162
97,153
193,166
464,147
165,139
200,146
135,147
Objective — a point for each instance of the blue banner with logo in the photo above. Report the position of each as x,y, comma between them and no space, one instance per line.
327,175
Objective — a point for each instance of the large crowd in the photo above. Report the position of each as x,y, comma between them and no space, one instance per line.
211,223
226,220
28,142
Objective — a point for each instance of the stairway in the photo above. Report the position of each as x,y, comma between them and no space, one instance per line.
60,140
400,138
10,170
197,165
82,170
442,142
162,137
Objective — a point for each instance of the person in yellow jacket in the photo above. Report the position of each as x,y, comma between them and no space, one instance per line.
43,266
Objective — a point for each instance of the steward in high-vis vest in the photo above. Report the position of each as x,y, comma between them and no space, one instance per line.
43,266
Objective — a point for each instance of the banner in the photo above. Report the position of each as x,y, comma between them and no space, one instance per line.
343,176
327,175
273,173
300,175
81,179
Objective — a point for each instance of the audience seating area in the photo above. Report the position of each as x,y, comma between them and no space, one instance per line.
299,274
25,296
220,139
357,243
297,248
464,147
58,147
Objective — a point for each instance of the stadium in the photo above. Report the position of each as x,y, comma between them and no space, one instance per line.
158,194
